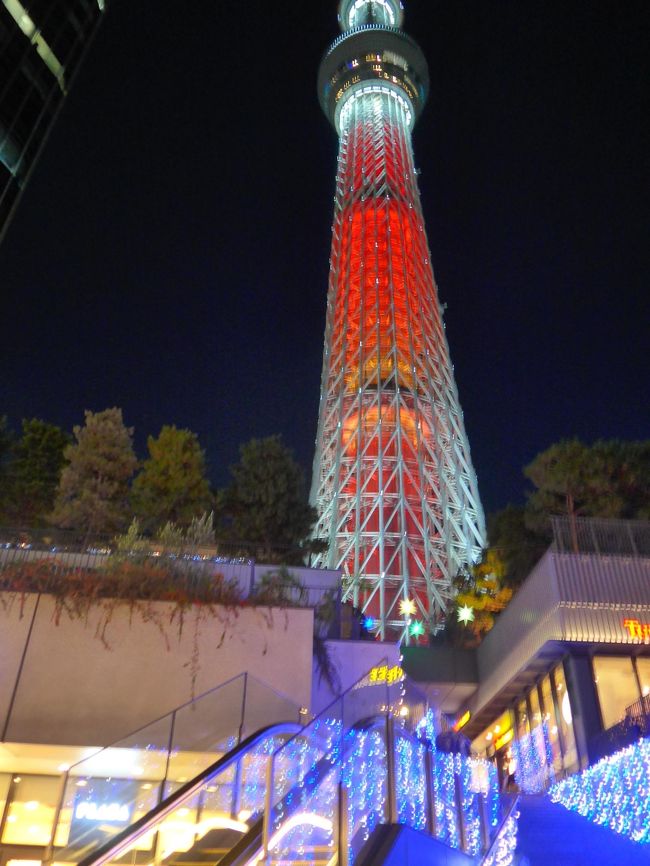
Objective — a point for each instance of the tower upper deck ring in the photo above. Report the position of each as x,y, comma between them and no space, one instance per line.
355,13
373,51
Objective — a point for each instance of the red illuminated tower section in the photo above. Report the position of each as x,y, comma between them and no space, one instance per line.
393,481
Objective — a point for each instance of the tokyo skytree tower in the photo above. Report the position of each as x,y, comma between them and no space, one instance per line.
393,480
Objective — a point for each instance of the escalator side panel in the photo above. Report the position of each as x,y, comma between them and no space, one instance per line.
398,845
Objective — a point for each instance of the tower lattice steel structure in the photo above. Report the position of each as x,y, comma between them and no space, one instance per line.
393,481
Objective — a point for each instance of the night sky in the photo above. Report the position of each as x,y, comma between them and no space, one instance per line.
170,254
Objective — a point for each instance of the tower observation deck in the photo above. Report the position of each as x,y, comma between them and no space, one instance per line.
393,481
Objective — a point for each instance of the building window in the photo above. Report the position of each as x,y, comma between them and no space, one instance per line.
565,719
643,670
616,685
535,709
522,719
5,782
550,717
32,807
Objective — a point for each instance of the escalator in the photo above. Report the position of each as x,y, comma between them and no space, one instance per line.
322,795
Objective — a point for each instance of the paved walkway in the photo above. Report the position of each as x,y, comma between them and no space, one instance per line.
550,835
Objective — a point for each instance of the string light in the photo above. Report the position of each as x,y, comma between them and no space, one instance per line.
310,770
504,850
534,757
411,783
614,793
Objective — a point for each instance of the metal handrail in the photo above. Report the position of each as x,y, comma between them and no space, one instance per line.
253,838
116,846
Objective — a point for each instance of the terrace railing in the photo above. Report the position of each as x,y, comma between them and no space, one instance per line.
601,536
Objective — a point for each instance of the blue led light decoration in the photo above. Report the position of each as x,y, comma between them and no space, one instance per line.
411,783
364,774
328,757
534,757
504,850
614,793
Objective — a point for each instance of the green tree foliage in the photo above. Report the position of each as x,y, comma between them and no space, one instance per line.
169,539
171,485
482,592
610,478
265,507
34,473
93,493
518,545
607,479
6,441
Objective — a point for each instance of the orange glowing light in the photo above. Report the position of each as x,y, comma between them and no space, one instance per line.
637,629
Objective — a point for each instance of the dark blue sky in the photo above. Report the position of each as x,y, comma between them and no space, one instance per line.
170,254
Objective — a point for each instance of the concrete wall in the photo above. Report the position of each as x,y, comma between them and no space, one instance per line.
59,683
351,659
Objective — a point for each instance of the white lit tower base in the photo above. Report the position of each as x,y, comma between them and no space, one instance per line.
393,481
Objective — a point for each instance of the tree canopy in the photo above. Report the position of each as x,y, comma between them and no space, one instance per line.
93,493
607,479
610,478
265,506
34,471
171,485
481,596
6,440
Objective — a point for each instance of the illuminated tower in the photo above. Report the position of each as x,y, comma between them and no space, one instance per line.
393,480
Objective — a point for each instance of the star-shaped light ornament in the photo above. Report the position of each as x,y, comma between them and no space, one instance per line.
465,614
417,628
407,607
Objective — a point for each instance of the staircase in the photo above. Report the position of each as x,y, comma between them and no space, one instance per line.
550,835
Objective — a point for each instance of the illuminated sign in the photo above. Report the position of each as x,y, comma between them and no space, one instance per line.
637,629
90,811
505,738
464,719
384,674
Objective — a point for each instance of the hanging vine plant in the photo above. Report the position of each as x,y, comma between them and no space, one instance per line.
138,574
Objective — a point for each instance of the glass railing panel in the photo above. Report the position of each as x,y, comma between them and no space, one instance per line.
264,706
204,730
252,773
490,777
211,821
345,746
411,781
470,787
447,828
364,777
104,794
304,788
111,789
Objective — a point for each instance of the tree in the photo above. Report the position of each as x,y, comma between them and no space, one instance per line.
607,479
265,507
34,473
6,441
481,596
171,485
93,493
517,544
610,478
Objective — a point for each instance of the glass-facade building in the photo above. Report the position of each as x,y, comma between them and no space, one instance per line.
565,672
42,43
